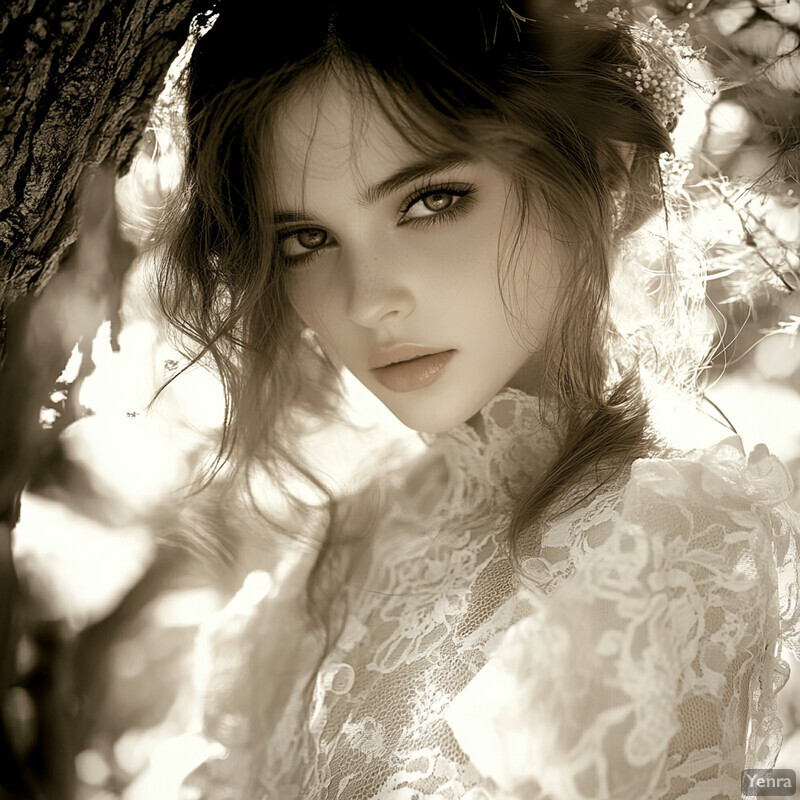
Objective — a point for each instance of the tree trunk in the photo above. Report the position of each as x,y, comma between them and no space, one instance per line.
77,84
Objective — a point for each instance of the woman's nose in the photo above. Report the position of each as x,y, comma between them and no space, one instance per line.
378,292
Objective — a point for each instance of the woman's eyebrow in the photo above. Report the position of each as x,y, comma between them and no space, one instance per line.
412,172
287,217
404,176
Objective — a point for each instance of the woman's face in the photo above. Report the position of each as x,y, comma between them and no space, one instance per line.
394,258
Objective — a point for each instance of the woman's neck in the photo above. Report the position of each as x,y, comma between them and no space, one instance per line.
527,379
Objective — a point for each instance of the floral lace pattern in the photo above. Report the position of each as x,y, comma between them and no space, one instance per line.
639,659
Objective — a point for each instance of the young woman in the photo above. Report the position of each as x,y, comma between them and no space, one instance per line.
553,600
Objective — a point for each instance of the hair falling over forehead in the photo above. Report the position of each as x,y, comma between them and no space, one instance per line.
540,89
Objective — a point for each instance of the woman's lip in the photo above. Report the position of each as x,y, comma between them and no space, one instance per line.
394,353
416,373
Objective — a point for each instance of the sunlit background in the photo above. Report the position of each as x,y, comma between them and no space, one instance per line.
99,536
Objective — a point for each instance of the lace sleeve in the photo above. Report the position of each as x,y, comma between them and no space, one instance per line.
651,671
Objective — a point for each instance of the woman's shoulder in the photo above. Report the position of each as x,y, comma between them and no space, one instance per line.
718,500
682,580
698,464
722,474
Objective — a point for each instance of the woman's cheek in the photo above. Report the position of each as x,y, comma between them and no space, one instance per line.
302,300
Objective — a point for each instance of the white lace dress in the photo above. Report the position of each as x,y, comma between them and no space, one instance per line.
640,660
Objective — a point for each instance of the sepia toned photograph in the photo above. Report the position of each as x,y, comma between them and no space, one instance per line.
399,400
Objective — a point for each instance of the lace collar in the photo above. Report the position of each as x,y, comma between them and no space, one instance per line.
492,458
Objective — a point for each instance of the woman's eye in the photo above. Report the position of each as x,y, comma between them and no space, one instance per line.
302,242
438,202
433,202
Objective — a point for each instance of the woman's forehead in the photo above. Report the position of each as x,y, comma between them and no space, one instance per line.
330,133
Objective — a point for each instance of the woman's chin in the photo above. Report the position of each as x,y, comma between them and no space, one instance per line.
429,412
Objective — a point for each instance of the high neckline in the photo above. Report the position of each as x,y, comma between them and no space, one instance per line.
497,453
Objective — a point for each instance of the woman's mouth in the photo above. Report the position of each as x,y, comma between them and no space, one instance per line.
414,373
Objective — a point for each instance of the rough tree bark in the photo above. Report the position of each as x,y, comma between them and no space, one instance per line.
77,84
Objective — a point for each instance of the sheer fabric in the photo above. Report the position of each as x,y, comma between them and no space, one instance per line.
640,658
